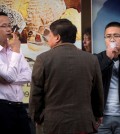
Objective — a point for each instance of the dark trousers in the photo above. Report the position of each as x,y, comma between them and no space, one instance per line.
73,133
13,118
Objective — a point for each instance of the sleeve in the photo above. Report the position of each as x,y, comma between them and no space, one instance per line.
25,72
36,102
97,95
10,72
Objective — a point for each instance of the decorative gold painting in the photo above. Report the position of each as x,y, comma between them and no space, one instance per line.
33,18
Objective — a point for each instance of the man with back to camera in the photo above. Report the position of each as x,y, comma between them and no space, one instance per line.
14,72
109,62
66,89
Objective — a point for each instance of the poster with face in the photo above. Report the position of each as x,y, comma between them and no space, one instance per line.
33,18
103,12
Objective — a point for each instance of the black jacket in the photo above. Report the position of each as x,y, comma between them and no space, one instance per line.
106,65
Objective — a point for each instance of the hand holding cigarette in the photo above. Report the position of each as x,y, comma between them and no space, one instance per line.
14,43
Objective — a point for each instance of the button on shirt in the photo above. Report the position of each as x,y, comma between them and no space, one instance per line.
14,69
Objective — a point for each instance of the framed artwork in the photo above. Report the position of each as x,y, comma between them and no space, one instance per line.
33,18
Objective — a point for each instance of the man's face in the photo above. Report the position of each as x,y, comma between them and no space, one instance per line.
53,39
87,42
5,29
112,34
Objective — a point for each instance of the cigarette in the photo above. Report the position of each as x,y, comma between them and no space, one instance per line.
15,29
113,44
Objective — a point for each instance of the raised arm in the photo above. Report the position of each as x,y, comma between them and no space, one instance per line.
9,71
24,75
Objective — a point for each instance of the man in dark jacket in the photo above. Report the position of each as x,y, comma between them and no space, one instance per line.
109,62
66,85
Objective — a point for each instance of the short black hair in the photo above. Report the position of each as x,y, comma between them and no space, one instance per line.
65,29
3,14
112,24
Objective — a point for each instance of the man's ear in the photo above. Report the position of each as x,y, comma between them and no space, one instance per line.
58,38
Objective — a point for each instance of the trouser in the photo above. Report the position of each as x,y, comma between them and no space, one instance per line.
110,125
13,118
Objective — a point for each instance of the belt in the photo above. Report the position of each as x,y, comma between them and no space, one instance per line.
10,102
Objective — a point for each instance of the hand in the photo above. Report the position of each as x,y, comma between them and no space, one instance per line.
99,121
112,52
14,43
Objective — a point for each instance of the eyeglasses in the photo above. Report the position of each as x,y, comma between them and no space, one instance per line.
110,36
6,26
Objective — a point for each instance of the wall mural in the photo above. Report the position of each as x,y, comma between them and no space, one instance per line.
32,19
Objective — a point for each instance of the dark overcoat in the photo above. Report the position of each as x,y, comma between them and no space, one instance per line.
66,90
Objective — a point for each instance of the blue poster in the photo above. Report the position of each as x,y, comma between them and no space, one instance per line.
103,12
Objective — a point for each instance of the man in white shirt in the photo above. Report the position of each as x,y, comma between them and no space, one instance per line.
14,72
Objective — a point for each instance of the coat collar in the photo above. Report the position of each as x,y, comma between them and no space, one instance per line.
64,44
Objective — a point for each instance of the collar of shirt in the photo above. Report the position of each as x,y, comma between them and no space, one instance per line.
1,48
4,49
116,64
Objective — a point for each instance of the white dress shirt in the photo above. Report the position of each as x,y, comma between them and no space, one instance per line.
14,69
